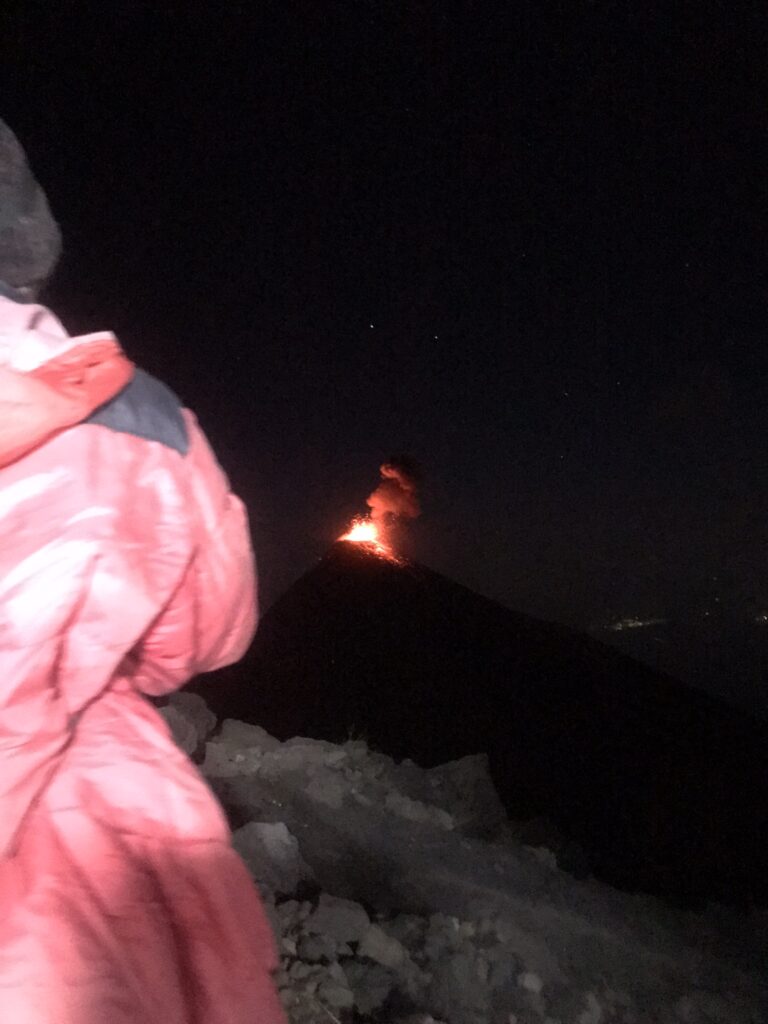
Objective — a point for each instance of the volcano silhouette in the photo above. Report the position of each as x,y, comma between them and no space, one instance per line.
663,787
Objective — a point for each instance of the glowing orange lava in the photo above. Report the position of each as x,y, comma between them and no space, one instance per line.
365,531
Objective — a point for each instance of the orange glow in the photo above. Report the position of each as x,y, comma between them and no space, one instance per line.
363,531
367,532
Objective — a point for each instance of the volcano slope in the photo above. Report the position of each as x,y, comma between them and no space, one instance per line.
663,787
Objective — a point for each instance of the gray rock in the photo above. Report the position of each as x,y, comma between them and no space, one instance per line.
530,982
314,948
422,1018
243,734
190,719
371,985
458,990
335,995
594,1011
184,733
381,948
272,855
343,920
301,753
195,708
459,918
228,760
465,790
301,973
327,790
408,929
291,914
415,810
443,936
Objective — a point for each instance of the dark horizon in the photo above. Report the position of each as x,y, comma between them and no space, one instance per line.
527,248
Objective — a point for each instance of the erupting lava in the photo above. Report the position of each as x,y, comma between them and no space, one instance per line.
363,531
394,501
367,532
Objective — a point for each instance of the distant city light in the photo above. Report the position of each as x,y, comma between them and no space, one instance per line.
635,623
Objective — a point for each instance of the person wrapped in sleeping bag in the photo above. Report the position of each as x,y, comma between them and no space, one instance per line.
125,569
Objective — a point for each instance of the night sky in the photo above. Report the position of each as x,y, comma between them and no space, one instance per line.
528,249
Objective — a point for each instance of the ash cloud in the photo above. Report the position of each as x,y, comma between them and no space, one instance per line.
396,499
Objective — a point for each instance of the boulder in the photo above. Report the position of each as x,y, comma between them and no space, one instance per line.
190,719
272,855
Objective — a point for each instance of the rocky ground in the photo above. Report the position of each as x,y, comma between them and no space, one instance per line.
404,896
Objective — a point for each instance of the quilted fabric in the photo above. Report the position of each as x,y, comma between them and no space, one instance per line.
125,569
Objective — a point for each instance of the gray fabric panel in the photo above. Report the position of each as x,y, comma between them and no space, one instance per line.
148,409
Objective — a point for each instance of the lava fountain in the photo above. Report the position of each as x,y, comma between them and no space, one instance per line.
368,533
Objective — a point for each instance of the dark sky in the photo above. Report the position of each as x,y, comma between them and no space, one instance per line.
527,248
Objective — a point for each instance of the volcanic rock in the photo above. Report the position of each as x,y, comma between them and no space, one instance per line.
410,921
272,854
190,719
344,920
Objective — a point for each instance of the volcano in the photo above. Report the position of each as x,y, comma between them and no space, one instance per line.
663,787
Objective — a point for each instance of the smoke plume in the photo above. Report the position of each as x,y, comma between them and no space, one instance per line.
396,498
